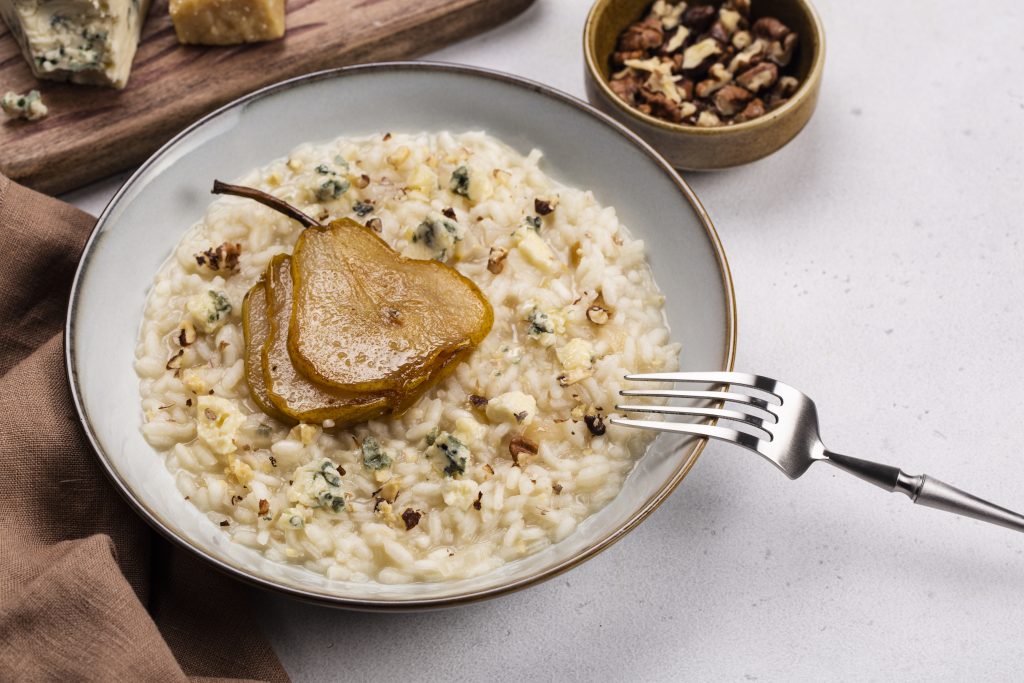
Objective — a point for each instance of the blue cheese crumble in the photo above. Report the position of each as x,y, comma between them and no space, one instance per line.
535,250
332,185
577,359
512,406
317,485
447,452
374,457
209,310
470,183
28,106
459,493
542,326
217,423
437,237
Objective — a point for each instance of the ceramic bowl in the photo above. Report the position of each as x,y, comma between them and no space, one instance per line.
704,149
148,215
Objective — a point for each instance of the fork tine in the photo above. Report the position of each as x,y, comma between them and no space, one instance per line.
739,378
724,413
723,396
684,393
721,433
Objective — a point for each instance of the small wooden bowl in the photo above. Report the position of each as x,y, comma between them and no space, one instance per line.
704,149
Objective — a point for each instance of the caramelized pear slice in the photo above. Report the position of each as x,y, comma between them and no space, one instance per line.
365,318
290,391
255,328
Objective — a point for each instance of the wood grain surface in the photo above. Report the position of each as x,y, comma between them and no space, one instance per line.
93,132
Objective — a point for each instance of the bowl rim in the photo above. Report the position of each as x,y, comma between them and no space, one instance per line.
803,92
370,603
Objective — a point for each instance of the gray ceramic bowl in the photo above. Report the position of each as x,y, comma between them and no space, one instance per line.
704,149
148,216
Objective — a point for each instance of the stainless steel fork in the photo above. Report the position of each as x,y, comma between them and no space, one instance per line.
782,427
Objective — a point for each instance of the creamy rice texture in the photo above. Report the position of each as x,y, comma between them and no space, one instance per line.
575,309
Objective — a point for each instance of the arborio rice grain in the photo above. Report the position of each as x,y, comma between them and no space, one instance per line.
575,309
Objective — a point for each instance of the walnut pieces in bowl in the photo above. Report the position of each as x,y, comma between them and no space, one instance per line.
709,85
704,65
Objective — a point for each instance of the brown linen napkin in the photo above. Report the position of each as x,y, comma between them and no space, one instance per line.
87,590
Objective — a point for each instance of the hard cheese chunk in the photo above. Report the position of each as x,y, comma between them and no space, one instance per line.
227,22
82,41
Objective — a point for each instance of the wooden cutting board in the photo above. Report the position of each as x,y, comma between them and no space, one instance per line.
93,132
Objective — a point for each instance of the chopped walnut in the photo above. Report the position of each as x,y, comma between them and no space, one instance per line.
411,518
731,100
718,76
699,17
759,77
222,258
782,52
619,58
175,361
677,63
520,445
770,28
544,206
661,106
598,314
708,119
753,109
186,333
496,259
643,35
595,423
627,86
388,493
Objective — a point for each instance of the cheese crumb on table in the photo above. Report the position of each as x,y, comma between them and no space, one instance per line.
29,106
227,22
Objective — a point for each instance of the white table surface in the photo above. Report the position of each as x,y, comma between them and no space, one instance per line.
878,266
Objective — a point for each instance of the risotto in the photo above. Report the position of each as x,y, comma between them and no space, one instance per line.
507,455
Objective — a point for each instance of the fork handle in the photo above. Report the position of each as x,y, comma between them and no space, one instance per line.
927,491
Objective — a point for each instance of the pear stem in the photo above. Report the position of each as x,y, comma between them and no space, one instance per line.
267,200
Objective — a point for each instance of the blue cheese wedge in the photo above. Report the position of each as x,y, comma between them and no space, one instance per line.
92,42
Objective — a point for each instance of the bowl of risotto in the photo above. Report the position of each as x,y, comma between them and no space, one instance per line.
379,375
